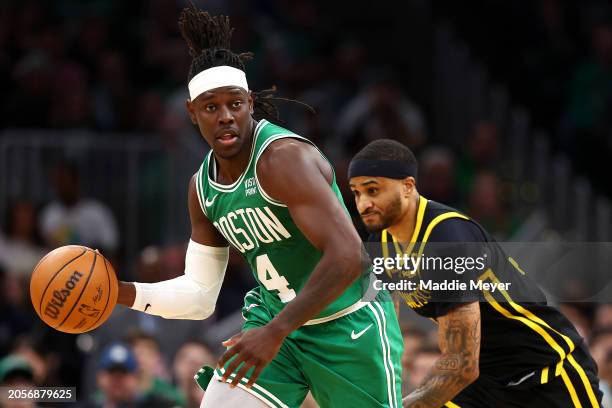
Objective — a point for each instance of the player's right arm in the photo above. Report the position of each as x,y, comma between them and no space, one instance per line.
457,367
194,294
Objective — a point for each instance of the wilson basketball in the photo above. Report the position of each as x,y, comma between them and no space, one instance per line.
73,289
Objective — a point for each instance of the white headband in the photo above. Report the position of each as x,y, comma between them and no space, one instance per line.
216,77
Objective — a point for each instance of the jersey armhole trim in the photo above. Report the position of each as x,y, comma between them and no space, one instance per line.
274,138
199,186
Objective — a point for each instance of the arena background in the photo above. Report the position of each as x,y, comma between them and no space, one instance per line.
507,104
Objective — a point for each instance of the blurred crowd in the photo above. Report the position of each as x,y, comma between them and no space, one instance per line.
120,68
556,57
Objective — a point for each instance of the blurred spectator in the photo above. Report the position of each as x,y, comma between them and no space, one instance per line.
72,219
32,78
70,98
590,103
113,92
547,59
482,153
42,364
16,373
486,206
16,313
600,346
118,382
15,370
381,110
190,357
436,175
54,356
414,340
577,317
20,251
422,362
152,371
603,316
155,264
238,280
149,112
592,84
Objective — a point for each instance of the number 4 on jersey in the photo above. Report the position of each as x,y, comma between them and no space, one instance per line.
275,281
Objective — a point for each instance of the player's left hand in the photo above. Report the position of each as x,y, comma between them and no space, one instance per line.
255,347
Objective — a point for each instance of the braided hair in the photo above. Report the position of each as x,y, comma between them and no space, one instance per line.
209,38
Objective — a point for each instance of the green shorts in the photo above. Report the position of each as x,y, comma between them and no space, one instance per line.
351,361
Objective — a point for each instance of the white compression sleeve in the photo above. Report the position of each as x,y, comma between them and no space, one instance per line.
190,296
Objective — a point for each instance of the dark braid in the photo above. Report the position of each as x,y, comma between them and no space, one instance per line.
264,108
208,38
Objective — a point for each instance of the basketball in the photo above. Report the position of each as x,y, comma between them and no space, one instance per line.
73,289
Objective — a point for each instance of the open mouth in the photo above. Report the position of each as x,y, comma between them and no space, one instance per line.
227,138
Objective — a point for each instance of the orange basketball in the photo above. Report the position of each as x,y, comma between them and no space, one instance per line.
73,289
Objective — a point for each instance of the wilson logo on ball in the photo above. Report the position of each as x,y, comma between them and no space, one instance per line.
59,298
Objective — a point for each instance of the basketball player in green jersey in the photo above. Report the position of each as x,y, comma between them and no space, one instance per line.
272,195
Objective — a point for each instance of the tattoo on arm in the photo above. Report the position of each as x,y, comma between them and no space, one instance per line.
457,367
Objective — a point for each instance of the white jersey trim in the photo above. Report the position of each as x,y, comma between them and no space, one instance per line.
390,378
261,394
228,188
198,188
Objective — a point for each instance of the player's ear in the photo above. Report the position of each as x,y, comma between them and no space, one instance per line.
250,99
408,186
191,111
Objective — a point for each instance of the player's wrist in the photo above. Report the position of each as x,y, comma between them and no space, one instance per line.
280,328
127,294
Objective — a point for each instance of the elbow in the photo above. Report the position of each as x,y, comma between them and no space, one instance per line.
200,311
205,312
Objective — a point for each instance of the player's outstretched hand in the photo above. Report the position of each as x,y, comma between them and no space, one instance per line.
255,348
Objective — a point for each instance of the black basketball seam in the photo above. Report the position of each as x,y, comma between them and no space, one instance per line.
107,298
76,302
54,276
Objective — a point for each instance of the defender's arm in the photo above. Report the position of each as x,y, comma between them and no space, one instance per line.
457,367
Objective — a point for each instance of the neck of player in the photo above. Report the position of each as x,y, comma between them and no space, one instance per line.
403,228
230,169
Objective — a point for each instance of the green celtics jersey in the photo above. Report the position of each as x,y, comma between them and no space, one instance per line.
262,230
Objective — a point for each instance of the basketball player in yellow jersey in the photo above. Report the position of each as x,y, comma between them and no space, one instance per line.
500,348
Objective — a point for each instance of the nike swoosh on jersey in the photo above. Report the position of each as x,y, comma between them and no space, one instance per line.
147,306
209,203
512,383
355,336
